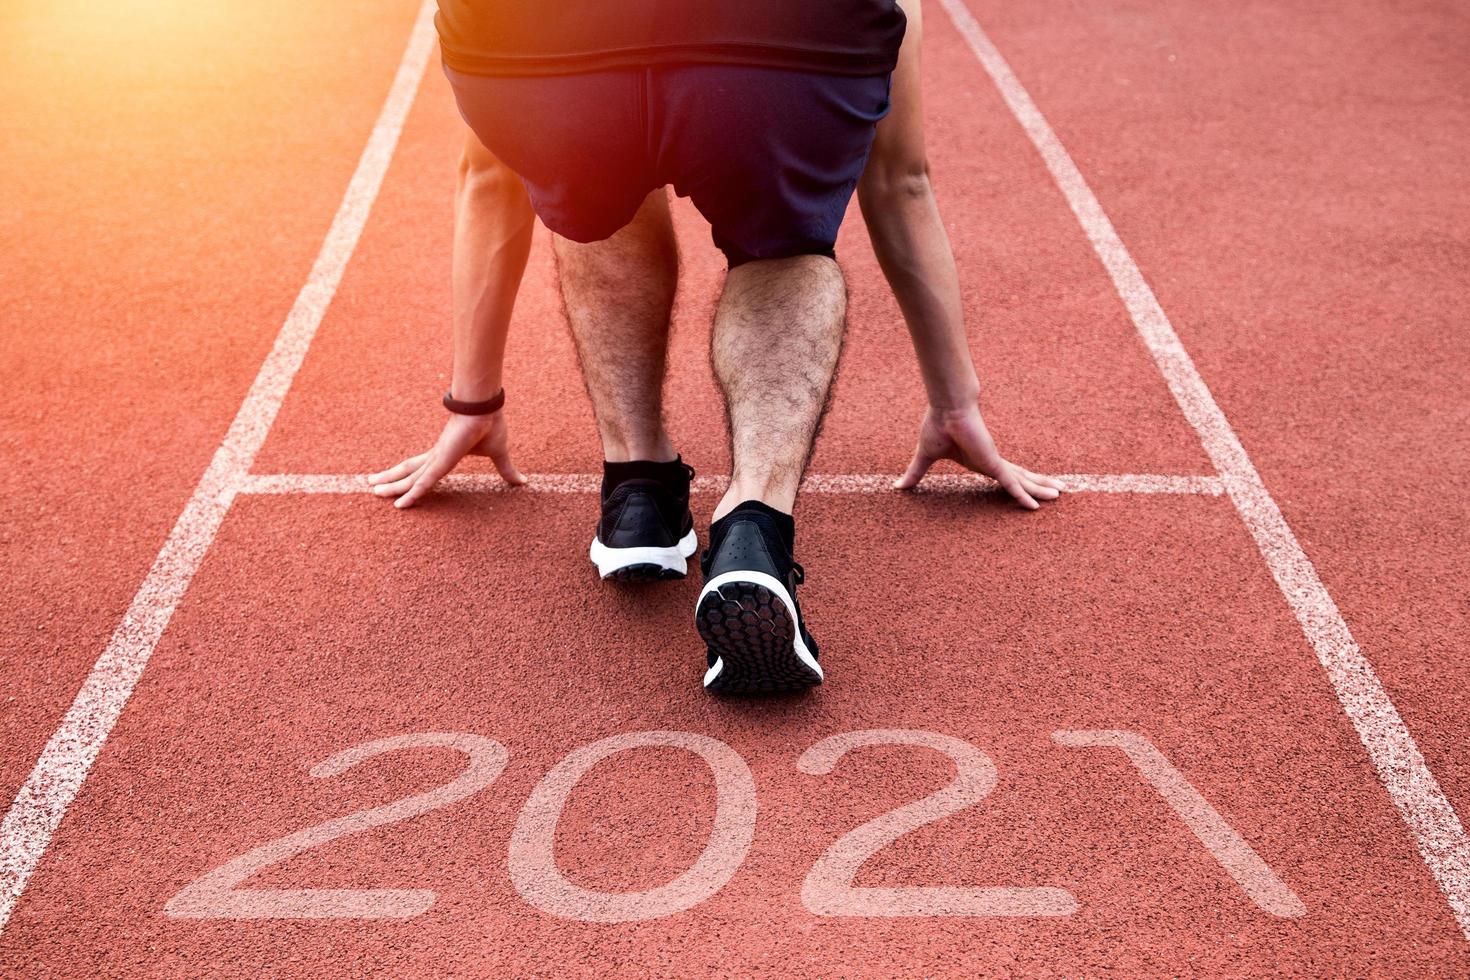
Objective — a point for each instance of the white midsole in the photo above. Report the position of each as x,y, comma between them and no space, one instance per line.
609,560
774,586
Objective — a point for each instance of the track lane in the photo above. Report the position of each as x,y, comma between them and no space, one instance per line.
1154,613
163,189
1289,179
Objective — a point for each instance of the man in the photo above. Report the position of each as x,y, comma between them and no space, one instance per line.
763,117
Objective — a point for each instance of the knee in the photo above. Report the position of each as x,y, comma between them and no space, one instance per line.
575,222
642,230
735,258
617,254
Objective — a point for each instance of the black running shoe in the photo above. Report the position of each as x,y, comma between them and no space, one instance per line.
646,532
747,612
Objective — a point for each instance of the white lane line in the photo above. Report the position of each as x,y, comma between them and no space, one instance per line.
54,782
286,483
1401,767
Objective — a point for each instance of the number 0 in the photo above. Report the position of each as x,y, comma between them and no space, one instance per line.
533,864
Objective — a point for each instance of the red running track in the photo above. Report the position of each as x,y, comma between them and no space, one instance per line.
1302,237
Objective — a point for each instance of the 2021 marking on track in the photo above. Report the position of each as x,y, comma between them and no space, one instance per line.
827,890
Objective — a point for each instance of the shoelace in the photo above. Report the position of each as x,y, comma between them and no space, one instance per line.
799,572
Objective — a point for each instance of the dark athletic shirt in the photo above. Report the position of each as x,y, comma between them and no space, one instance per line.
565,37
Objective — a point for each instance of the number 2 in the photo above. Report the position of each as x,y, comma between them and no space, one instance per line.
828,889
217,896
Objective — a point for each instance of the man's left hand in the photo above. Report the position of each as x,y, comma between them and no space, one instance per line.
961,435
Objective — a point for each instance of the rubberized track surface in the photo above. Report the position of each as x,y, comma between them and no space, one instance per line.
1286,180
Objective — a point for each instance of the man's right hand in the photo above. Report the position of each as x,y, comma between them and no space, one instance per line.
463,435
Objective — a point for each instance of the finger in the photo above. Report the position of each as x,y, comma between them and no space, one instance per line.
400,471
1044,480
431,474
1012,485
396,487
507,469
411,496
917,468
1039,491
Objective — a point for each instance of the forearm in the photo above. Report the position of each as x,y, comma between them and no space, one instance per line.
913,250
493,224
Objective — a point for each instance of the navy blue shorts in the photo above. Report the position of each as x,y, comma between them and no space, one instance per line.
769,156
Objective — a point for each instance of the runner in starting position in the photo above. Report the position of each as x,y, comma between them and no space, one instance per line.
763,112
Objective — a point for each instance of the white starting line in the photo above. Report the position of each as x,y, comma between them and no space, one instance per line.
63,765
945,483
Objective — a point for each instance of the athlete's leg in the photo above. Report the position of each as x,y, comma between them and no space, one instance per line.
578,144
619,294
774,204
776,340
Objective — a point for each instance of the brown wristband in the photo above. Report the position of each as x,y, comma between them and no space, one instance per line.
489,406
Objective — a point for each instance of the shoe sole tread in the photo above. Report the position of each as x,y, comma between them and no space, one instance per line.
750,630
